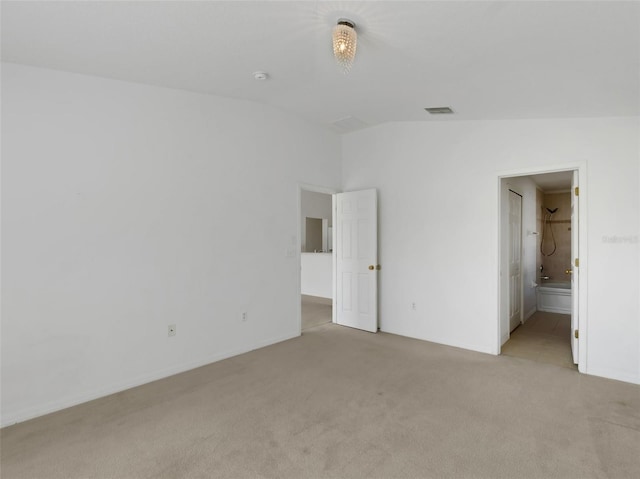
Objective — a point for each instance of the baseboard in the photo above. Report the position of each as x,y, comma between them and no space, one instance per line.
469,347
54,406
551,309
531,312
615,375
317,295
318,299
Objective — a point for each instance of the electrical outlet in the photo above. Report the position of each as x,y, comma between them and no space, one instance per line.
413,306
243,316
172,330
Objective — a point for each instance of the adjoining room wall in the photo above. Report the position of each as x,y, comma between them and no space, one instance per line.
314,205
316,274
127,208
438,190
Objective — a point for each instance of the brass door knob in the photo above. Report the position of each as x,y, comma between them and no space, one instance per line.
568,271
372,267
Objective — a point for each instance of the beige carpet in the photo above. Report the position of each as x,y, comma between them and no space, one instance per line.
315,311
342,403
544,337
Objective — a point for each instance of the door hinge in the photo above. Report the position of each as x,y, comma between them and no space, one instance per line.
576,190
577,262
575,334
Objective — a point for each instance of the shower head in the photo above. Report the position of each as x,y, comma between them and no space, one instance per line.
552,211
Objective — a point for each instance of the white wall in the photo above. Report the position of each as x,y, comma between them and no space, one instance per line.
316,274
126,208
438,189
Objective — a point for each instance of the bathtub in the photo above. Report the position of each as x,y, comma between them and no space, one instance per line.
554,297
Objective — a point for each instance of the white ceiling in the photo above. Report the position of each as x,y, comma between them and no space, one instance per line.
487,60
557,181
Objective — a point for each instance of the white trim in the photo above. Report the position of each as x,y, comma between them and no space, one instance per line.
334,260
476,348
615,375
581,167
554,309
584,265
37,411
530,313
316,189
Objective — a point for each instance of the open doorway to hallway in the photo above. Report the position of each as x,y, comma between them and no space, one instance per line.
316,311
316,257
538,311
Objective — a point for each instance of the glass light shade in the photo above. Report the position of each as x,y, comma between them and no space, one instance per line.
344,44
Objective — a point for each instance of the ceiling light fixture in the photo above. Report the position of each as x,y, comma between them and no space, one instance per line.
344,43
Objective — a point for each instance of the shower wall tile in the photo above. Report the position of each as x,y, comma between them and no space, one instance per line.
557,262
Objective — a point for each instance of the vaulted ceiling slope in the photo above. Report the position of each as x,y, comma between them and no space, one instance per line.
487,60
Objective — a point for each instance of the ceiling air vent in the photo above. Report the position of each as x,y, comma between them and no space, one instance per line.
439,110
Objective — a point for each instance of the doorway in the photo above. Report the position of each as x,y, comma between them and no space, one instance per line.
316,256
344,271
548,235
543,338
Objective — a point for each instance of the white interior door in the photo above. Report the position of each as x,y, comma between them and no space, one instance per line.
575,277
356,262
515,260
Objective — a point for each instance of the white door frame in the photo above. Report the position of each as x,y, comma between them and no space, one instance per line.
503,296
328,191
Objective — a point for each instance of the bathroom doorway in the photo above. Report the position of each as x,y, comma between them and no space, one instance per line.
546,288
316,256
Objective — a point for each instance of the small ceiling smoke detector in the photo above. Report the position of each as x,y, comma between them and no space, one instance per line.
260,75
439,110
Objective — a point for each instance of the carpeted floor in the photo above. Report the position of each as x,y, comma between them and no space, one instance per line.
315,311
544,337
341,403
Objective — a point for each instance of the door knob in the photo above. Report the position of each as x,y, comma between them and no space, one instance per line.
372,267
568,271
